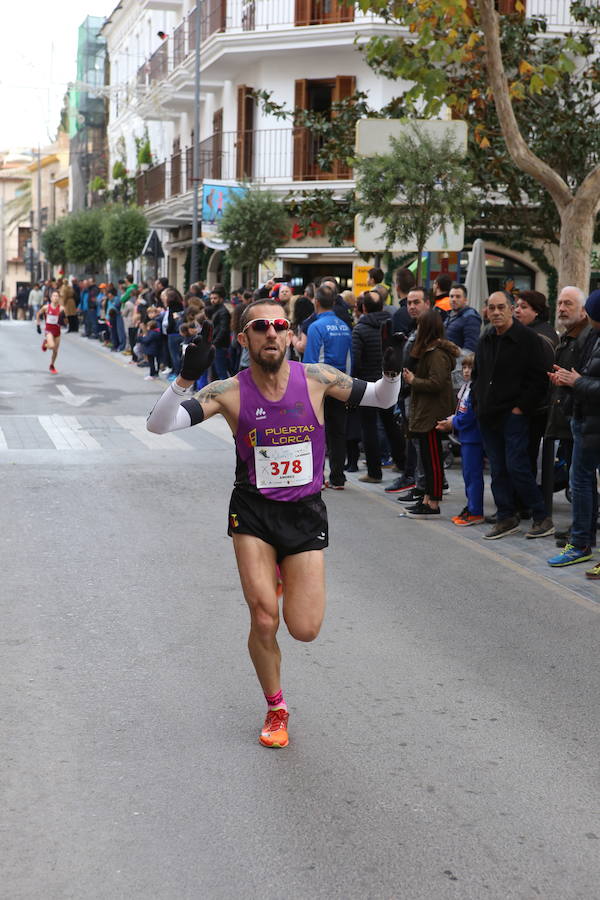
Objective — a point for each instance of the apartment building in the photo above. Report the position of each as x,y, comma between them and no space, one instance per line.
307,53
15,221
50,182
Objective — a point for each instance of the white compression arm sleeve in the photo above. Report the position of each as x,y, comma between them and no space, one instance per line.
382,393
168,413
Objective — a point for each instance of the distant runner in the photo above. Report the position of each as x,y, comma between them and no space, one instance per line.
276,515
51,313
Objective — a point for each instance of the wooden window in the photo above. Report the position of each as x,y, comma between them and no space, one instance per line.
300,135
318,95
345,86
245,133
507,7
217,144
322,12
24,235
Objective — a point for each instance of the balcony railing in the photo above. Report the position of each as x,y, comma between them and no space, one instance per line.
159,63
274,155
242,16
179,45
176,161
556,12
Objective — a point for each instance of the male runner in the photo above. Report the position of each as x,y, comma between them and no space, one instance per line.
276,514
51,312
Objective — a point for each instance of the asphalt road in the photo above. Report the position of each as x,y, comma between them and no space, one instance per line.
444,726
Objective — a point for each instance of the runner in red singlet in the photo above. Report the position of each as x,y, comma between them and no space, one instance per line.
276,514
51,313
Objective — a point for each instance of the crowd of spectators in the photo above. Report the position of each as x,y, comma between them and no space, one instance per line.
488,386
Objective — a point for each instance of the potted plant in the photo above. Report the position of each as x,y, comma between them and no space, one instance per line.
144,156
98,185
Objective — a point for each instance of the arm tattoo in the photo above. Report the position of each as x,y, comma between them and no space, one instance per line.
214,389
328,375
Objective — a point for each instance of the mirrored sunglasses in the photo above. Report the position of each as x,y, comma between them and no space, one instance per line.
262,325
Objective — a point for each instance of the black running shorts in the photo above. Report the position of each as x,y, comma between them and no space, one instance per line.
289,527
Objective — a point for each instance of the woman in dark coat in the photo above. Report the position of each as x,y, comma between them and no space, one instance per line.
533,311
431,399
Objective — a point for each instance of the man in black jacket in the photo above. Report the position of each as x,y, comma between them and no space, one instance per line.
367,354
585,427
221,320
401,320
509,384
568,355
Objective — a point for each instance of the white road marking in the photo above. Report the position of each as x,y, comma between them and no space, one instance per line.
66,433
3,444
69,397
136,425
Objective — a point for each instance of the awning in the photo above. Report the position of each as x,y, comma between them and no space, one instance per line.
304,252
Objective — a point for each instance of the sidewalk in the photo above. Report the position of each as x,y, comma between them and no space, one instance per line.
530,554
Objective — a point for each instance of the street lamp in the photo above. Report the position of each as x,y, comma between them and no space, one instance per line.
196,150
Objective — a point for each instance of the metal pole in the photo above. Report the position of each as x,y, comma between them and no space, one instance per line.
39,213
196,150
2,244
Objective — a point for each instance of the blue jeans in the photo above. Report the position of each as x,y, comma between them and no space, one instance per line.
472,467
91,322
584,504
507,448
175,342
220,363
121,336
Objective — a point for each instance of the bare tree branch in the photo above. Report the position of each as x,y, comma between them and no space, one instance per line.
520,152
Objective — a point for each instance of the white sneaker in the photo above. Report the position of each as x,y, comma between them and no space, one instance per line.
150,377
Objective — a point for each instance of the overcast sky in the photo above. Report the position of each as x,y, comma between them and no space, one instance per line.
39,51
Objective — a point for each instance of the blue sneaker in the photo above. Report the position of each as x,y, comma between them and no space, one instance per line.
171,377
570,555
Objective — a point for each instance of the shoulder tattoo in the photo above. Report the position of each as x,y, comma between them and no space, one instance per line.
328,375
214,390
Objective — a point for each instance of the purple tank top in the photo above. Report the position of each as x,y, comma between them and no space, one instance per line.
280,446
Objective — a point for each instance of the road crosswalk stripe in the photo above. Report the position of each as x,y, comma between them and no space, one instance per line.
87,432
66,433
136,425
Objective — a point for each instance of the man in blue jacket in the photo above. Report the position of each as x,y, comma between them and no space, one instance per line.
463,324
329,340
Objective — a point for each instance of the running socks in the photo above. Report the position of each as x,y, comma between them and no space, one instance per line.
276,701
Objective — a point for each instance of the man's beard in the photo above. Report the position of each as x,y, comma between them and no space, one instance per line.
272,364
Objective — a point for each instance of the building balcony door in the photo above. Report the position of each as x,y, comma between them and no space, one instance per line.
245,133
318,95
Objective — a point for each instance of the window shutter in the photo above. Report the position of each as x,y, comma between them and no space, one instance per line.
300,135
245,132
217,144
345,86
345,11
302,12
506,7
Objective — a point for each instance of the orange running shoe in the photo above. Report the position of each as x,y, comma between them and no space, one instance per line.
466,519
274,732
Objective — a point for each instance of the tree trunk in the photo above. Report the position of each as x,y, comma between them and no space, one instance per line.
419,265
577,212
576,239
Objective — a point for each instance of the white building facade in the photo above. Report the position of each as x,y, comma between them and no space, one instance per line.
306,53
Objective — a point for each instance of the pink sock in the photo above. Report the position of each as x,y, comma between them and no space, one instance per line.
276,701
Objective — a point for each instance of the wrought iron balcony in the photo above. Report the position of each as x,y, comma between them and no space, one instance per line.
277,156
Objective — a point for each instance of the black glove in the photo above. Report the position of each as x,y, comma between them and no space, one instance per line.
39,329
199,354
393,354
